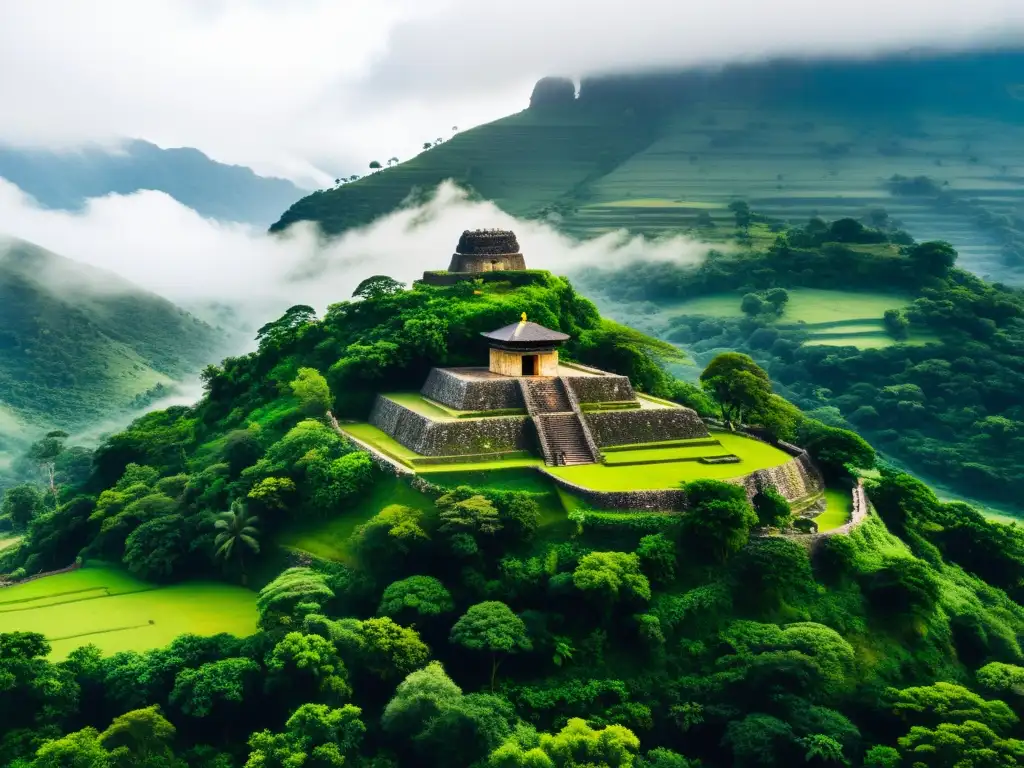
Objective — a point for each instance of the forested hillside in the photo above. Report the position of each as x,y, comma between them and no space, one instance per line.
661,154
927,360
78,344
485,623
67,179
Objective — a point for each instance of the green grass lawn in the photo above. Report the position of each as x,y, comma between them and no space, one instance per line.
839,507
417,403
507,479
118,612
665,453
381,441
754,455
878,340
806,305
330,539
833,318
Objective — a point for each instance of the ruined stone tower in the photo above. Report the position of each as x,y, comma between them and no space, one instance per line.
487,250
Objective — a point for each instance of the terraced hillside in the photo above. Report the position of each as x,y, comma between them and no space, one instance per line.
793,166
658,157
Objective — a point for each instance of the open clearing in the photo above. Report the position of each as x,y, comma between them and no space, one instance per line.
838,510
832,318
753,454
806,305
331,538
117,612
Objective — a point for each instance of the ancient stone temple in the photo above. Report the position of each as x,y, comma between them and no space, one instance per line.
487,250
525,349
527,401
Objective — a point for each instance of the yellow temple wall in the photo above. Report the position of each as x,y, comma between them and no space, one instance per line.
511,363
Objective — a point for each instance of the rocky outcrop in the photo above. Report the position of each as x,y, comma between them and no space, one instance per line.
552,92
472,394
645,425
461,437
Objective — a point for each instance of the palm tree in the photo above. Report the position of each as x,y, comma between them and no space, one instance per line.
237,532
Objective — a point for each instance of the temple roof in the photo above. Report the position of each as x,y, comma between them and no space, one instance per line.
526,332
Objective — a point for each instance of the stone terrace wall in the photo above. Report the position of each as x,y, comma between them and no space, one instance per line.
600,389
644,425
649,501
462,437
469,395
795,480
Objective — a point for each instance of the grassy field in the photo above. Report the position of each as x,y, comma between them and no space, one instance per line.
833,318
839,506
753,454
380,440
806,305
117,612
330,539
417,403
8,541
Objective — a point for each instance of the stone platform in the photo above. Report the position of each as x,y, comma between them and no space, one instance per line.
603,408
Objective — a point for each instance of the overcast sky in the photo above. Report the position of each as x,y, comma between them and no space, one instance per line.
317,88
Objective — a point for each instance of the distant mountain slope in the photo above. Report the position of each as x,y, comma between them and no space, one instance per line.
657,154
524,163
64,180
78,344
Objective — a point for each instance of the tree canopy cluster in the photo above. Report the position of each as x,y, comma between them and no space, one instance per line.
951,409
471,627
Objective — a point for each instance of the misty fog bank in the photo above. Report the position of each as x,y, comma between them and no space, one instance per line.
251,277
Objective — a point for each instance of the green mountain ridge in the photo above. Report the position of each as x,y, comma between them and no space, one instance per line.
78,344
65,180
661,155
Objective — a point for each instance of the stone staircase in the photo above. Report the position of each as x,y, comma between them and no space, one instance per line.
560,428
548,396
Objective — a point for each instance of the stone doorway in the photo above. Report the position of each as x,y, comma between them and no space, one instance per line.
529,365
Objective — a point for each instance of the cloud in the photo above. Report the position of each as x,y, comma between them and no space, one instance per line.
472,47
317,88
155,242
